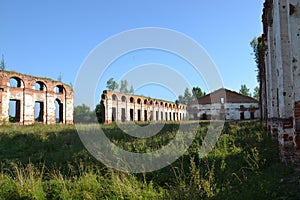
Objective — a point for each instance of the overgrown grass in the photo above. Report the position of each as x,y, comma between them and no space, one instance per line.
50,162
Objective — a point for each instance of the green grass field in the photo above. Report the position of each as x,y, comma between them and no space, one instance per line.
50,162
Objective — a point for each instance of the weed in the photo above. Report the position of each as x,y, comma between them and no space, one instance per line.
50,162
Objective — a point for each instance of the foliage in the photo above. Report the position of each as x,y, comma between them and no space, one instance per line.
257,47
123,86
50,162
111,84
83,114
188,97
197,92
256,93
245,90
2,64
131,90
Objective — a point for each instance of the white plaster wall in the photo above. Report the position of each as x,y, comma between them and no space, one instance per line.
295,44
232,110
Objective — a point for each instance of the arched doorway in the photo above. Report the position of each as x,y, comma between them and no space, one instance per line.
59,111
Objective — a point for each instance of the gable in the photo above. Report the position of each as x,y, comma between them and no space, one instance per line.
226,96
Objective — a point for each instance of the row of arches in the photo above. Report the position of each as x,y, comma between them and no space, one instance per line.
127,107
145,115
26,99
148,102
16,82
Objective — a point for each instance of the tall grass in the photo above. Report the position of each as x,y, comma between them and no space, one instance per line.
50,162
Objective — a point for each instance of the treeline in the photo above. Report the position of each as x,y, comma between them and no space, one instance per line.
84,114
111,84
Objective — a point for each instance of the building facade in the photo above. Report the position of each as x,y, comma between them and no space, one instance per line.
281,80
27,99
226,105
119,107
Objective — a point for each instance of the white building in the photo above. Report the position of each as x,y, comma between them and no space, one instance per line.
224,104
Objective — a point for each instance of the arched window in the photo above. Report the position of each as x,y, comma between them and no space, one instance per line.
16,82
114,97
123,98
39,111
59,89
139,101
151,102
145,101
131,100
39,86
59,111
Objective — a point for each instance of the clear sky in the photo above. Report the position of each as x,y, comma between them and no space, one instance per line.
49,38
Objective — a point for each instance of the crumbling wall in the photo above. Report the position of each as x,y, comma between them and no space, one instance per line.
121,107
281,39
53,98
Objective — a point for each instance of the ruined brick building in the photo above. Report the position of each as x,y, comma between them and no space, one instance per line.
127,107
27,99
281,75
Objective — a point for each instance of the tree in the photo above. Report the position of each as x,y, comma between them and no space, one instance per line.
244,90
83,114
123,87
256,93
257,47
258,51
197,92
111,84
131,91
2,64
180,99
187,97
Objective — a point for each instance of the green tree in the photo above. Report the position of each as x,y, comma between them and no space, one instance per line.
131,91
197,92
180,99
244,90
186,98
2,64
258,52
83,114
256,93
111,84
123,87
257,47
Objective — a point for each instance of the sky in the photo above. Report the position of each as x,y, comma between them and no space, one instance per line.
53,38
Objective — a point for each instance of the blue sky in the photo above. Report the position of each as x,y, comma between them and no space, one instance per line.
49,38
